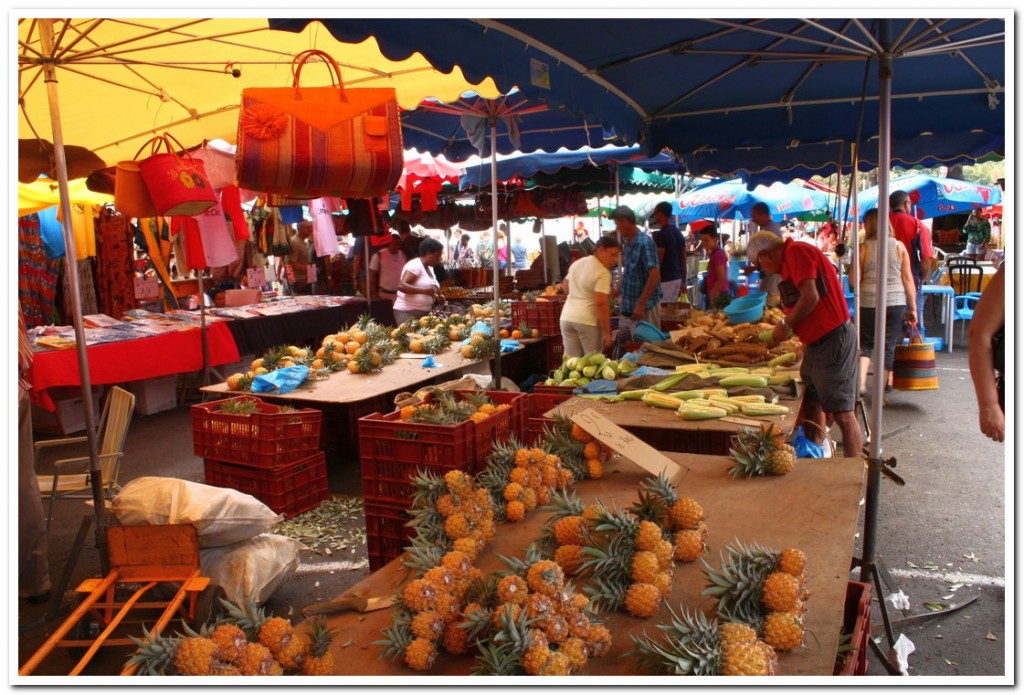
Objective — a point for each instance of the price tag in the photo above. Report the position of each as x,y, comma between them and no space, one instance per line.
627,444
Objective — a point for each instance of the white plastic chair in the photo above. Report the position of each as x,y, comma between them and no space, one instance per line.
67,482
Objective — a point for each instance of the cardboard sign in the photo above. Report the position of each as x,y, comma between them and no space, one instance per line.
627,444
146,287
255,277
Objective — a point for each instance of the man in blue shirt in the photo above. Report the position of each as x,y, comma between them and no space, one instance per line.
641,278
671,252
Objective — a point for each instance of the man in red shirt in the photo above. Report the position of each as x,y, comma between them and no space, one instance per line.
907,228
816,311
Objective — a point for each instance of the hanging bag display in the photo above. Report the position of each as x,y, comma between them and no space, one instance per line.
913,367
309,142
177,183
131,197
220,166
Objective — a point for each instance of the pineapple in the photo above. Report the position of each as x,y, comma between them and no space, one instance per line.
595,469
275,634
781,592
292,655
515,511
761,451
598,640
729,632
545,577
783,630
686,513
535,658
570,558
420,654
513,589
644,567
428,625
642,599
665,552
648,535
792,561
455,639
689,545
557,665
255,660
230,640
419,595
746,659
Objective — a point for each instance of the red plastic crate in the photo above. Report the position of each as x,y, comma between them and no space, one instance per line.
392,451
857,621
555,351
542,316
386,532
543,399
289,489
264,439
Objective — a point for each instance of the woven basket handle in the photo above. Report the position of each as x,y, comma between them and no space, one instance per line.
154,146
308,56
911,331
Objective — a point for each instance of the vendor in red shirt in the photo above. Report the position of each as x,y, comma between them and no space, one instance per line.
816,311
907,229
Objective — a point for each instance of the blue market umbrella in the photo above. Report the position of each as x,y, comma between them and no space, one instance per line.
731,200
933,196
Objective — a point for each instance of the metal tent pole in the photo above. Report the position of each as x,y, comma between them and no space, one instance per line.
855,231
50,77
494,235
202,331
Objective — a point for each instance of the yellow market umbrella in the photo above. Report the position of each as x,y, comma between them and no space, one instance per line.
44,193
121,80
108,84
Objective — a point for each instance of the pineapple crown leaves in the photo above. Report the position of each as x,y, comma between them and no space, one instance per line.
423,554
497,660
533,553
483,591
650,507
661,487
514,629
397,637
615,520
155,653
673,656
740,578
477,622
563,504
320,637
610,560
605,596
249,618
749,613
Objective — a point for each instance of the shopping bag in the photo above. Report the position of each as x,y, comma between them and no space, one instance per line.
308,142
131,197
220,166
177,183
913,367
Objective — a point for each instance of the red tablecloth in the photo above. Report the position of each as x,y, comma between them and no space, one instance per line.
131,360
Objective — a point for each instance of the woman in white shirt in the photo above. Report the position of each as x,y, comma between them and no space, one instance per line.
418,287
586,316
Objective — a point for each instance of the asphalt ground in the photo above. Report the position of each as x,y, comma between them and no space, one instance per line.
946,536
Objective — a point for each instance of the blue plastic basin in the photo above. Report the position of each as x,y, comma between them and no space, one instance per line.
649,333
743,314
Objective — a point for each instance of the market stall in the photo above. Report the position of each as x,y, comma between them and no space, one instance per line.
814,508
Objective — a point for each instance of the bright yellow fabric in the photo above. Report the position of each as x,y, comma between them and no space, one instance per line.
42,194
198,99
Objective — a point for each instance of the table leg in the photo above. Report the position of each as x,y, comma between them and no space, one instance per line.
948,323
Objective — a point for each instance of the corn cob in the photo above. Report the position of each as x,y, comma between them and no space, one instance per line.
728,400
779,379
660,400
724,404
686,395
729,371
669,381
700,413
755,381
764,409
784,358
691,368
749,399
635,395
713,392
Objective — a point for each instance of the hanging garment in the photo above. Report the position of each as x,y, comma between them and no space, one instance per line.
52,233
231,201
37,274
325,241
86,291
115,286
428,190
194,256
83,225
218,242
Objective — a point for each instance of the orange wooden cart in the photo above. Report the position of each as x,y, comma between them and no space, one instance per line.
144,555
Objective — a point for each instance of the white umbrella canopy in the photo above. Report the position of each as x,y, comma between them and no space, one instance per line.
121,80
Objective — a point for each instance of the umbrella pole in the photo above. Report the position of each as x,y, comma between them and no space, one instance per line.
46,37
202,331
855,245
496,267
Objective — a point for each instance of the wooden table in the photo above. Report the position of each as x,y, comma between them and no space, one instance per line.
345,397
665,431
814,508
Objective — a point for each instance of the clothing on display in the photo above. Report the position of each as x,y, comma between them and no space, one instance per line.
115,286
37,274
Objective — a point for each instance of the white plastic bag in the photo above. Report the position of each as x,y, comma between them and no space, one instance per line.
221,516
255,567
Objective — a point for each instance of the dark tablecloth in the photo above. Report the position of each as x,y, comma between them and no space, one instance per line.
257,334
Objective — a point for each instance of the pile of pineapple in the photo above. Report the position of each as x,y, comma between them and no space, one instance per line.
575,447
448,513
480,346
273,359
446,408
360,349
692,645
761,451
246,643
431,335
763,588
520,478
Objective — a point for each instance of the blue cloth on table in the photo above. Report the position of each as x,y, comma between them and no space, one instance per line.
598,386
509,345
280,380
653,370
428,362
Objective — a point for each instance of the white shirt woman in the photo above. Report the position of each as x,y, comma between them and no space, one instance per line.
418,286
585,321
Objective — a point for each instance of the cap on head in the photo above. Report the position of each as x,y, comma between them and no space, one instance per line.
623,212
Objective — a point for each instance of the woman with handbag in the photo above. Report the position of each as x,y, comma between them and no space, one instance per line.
898,302
418,287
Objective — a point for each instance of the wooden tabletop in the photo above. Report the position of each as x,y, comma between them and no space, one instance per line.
638,414
345,387
814,508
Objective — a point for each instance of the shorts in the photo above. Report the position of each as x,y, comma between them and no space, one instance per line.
829,370
893,331
974,249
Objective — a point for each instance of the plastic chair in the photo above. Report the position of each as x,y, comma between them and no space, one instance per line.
66,482
963,310
965,276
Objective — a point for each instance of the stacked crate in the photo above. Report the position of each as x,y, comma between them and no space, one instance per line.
542,316
273,454
392,451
